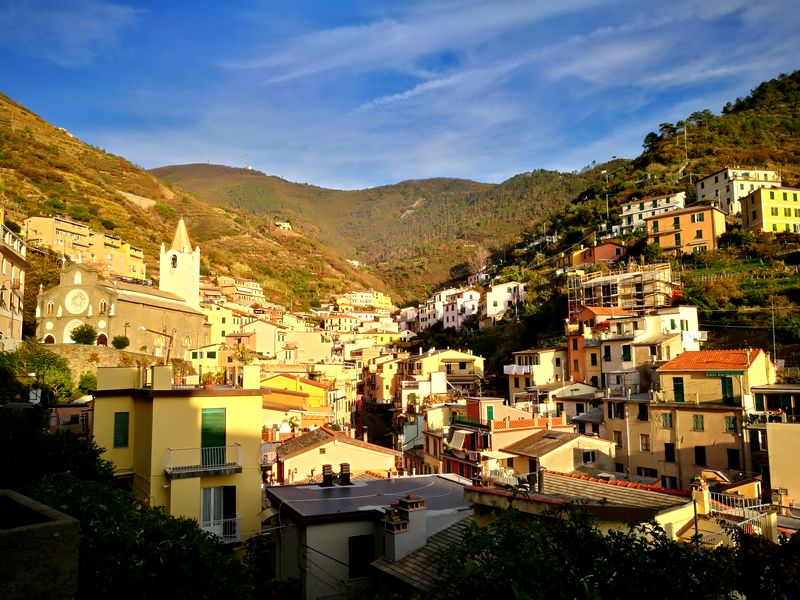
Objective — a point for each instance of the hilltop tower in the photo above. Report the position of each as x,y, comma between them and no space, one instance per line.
180,268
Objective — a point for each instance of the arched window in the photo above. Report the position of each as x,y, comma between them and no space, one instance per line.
77,279
174,261
50,308
187,341
49,339
103,307
535,359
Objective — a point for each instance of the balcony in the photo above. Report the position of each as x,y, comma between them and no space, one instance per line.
226,529
470,422
181,463
517,369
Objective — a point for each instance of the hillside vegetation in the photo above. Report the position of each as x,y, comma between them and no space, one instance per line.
45,170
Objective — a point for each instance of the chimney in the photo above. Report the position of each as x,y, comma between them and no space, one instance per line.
404,526
327,476
540,480
364,433
344,474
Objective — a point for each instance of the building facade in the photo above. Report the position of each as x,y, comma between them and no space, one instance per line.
726,187
694,229
772,210
634,213
13,266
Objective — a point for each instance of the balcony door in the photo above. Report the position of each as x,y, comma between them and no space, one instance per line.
727,390
212,437
218,510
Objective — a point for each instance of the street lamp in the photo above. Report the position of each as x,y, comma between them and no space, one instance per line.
166,335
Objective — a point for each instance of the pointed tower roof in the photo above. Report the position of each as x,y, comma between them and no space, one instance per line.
181,239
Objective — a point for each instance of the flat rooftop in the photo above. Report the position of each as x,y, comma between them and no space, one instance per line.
313,502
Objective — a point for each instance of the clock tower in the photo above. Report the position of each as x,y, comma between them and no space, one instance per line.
179,271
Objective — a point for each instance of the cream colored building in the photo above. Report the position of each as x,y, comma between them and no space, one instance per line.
242,291
196,452
784,445
561,451
535,367
163,322
772,210
12,285
464,370
108,253
634,213
726,187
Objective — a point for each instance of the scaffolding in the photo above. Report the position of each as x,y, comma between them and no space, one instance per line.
634,288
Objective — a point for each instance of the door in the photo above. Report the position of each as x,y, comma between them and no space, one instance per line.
677,387
212,437
211,510
727,390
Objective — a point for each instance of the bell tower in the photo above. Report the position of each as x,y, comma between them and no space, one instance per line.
179,271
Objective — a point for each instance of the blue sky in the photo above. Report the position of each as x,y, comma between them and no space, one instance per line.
352,94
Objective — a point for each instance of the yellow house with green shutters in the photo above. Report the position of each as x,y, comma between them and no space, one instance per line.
318,393
194,451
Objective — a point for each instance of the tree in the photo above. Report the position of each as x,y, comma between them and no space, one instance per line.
83,334
650,143
51,373
87,382
120,342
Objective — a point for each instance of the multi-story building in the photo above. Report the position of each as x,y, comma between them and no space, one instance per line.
371,298
381,377
605,253
241,291
693,229
12,286
635,288
109,254
196,452
697,415
726,187
464,370
458,307
501,298
432,310
772,210
535,367
634,213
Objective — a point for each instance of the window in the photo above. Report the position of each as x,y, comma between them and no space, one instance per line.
50,308
593,358
575,368
174,261
606,353
698,234
322,450
730,424
616,410
646,472
516,382
211,354
103,307
773,211
589,457
361,552
669,452
212,436
527,382
734,460
787,212
677,239
698,218
698,423
669,482
700,456
558,362
626,352
121,429
643,412
666,420
574,343
677,389
618,438
644,442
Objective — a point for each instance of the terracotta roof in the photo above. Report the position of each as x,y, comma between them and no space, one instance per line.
613,491
608,311
420,569
684,211
543,442
704,360
320,437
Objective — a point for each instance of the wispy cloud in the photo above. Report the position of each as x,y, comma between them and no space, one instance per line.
69,33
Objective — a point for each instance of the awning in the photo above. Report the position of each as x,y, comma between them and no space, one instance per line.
497,454
457,441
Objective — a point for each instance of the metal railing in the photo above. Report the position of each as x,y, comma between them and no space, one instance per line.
731,505
228,530
188,460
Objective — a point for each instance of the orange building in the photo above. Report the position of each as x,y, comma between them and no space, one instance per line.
693,229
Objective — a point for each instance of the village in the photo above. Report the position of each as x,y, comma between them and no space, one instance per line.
250,418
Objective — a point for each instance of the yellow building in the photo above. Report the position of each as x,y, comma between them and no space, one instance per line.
301,459
534,367
784,445
12,285
196,452
464,370
109,254
318,393
772,210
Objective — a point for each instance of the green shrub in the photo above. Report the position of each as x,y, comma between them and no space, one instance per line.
120,342
87,383
165,210
83,334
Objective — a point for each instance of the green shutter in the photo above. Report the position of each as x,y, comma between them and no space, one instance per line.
212,435
490,413
727,390
677,387
121,429
760,402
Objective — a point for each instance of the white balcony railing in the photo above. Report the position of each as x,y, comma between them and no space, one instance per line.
194,461
516,369
226,529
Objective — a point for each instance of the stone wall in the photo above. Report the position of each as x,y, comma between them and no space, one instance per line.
82,358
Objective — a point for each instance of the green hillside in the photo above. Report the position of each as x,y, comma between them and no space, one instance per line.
45,170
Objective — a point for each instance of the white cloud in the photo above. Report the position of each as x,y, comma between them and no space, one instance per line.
69,33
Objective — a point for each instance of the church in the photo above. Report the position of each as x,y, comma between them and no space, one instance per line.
166,322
